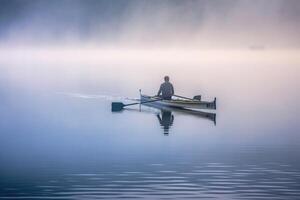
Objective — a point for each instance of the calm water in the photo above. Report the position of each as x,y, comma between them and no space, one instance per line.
59,138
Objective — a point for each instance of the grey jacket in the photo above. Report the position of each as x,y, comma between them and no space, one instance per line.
167,90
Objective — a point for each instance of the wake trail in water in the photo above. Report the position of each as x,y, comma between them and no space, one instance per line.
97,96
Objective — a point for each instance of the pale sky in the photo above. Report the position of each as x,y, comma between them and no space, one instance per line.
197,24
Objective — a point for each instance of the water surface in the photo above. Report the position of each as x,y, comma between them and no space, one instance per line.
59,138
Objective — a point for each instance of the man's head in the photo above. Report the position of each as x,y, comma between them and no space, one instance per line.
167,78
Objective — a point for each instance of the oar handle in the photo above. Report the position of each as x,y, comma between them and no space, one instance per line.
143,102
182,97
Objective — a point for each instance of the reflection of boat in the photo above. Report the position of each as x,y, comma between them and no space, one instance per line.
197,113
181,103
166,117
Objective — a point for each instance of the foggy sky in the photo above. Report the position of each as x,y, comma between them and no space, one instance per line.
203,23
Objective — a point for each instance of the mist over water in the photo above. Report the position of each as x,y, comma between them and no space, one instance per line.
196,24
62,63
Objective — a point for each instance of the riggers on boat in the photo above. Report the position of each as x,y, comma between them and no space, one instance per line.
181,103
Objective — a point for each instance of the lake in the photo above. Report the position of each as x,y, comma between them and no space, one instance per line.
59,138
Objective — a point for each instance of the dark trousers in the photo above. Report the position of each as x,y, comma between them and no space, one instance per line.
167,98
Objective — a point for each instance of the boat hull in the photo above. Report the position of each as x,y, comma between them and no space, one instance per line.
179,103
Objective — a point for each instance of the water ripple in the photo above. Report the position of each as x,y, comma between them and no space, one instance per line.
213,180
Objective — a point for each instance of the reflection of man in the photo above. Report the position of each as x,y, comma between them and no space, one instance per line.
166,89
166,120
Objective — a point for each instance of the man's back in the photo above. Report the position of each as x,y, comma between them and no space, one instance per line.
167,90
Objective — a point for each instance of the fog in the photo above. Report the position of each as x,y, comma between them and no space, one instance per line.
151,24
117,43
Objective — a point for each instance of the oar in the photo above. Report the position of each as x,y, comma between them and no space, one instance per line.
198,97
118,106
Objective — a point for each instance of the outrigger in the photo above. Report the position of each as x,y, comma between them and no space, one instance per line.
179,102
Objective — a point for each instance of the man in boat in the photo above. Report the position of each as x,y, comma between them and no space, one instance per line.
166,89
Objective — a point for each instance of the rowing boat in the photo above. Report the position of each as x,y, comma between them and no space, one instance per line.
196,113
181,103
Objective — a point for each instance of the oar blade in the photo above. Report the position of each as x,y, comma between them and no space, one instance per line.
116,106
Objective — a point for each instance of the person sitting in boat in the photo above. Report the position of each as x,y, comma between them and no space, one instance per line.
166,89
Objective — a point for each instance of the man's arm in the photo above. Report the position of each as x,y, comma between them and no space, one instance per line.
159,91
172,90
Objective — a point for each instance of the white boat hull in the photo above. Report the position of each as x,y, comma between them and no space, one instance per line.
179,103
